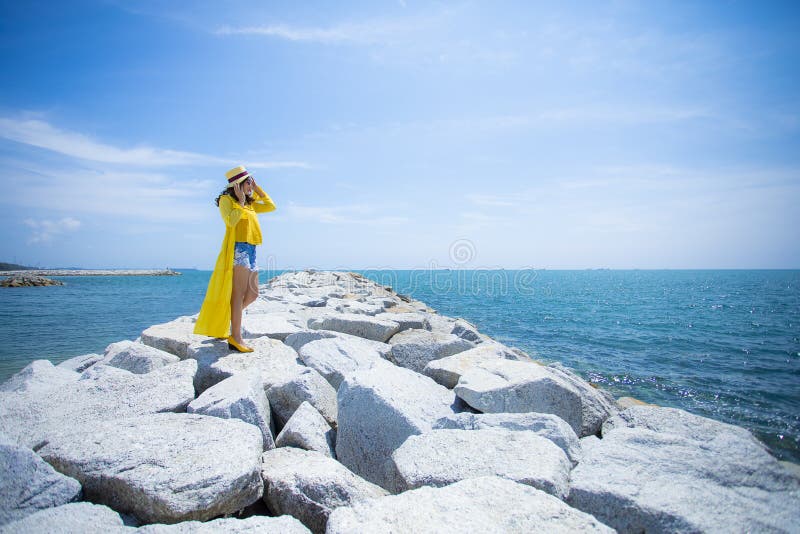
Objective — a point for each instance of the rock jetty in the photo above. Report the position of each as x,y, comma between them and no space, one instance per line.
28,280
362,410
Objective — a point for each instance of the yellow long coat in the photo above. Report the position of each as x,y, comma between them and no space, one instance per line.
215,313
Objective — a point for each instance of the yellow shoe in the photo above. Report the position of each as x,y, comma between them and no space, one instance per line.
232,344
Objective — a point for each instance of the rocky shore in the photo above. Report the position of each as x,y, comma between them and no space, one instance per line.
92,272
23,280
362,410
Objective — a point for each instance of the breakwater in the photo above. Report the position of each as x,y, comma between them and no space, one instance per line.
364,410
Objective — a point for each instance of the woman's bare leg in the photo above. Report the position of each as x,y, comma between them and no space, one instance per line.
241,276
252,290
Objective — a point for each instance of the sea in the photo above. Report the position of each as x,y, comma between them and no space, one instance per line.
723,344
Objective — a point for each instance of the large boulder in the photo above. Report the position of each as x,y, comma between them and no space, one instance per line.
72,518
307,385
414,348
378,409
136,357
664,470
544,424
307,429
216,361
485,504
441,457
448,370
80,363
29,484
510,386
240,396
39,375
102,393
596,404
406,320
334,357
268,324
173,337
284,524
354,306
163,468
357,325
298,339
309,486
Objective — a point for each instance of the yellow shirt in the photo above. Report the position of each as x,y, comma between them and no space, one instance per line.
215,313
245,219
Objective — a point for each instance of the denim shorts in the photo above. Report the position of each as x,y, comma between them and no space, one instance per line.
244,254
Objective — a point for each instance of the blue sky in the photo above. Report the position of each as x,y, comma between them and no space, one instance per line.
403,134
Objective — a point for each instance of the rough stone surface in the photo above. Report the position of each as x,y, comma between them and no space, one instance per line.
39,375
485,504
508,386
596,404
683,474
309,486
73,518
406,320
307,429
448,370
297,340
80,363
240,396
102,392
271,325
163,468
173,337
307,385
441,457
334,357
546,425
216,361
29,484
466,330
378,409
357,325
256,524
136,357
414,348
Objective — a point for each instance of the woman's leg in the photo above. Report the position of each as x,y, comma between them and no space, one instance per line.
241,276
252,290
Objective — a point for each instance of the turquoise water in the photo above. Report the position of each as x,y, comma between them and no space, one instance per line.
724,344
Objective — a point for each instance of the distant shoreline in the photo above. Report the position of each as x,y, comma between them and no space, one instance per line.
92,272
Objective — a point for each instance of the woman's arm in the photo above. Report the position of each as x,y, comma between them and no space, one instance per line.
230,211
263,203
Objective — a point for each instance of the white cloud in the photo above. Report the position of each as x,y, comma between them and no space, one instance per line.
44,229
345,214
39,133
368,32
490,200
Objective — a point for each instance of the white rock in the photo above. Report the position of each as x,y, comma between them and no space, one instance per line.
448,370
334,357
136,357
173,337
307,385
353,306
544,424
272,325
711,478
441,457
163,467
297,340
28,483
486,504
378,409
466,330
279,525
240,396
510,386
102,392
596,404
39,375
73,518
414,348
309,486
307,429
80,363
407,320
357,325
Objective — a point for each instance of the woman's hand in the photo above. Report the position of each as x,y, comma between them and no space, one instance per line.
237,189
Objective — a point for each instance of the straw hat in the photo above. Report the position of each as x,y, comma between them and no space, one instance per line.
237,175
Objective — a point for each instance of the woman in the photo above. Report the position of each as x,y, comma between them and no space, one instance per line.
234,283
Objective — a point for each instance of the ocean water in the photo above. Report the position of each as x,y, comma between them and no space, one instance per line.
723,344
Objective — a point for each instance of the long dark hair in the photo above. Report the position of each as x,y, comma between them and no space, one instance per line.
229,191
